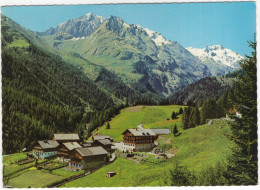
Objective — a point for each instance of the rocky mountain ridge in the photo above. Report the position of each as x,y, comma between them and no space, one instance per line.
139,54
76,28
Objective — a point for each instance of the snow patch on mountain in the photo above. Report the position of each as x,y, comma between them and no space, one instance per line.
219,54
126,25
158,39
75,39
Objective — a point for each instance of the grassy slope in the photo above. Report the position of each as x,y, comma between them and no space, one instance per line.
131,117
33,178
128,172
11,158
19,43
207,143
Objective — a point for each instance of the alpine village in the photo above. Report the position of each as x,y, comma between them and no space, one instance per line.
98,102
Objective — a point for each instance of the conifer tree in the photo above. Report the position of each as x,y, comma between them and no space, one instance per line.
175,130
210,110
186,117
174,115
108,125
196,116
180,111
243,162
200,102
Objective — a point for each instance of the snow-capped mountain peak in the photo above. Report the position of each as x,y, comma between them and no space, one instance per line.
219,54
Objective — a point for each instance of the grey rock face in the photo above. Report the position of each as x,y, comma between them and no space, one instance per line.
78,28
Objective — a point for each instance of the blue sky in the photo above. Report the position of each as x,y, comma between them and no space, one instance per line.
191,24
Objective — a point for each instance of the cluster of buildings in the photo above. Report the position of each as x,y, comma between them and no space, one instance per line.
90,154
67,148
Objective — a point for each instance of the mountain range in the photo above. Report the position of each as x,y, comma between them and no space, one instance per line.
139,55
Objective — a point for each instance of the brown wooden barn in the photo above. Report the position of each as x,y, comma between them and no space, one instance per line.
65,150
88,157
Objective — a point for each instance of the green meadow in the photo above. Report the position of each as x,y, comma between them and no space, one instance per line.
133,116
33,178
19,43
128,172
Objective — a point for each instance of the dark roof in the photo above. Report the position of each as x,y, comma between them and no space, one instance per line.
91,151
66,137
72,145
161,131
105,141
48,144
141,132
99,137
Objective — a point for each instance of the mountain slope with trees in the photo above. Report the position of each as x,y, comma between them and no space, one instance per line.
106,80
41,93
208,87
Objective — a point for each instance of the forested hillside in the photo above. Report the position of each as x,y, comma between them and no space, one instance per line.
41,94
208,87
106,80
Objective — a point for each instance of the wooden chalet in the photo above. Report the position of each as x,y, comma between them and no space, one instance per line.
101,137
63,138
88,158
139,140
44,149
65,150
104,143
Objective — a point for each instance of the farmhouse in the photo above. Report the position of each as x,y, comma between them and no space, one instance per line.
44,149
88,157
104,143
139,140
65,150
100,137
63,138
